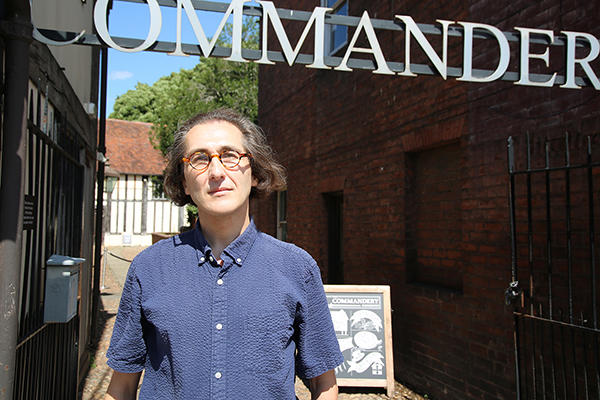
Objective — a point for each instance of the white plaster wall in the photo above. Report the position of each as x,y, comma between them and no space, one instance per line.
125,226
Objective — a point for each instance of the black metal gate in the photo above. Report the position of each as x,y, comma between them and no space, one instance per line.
47,354
554,213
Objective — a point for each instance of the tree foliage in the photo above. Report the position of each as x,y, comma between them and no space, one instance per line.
211,84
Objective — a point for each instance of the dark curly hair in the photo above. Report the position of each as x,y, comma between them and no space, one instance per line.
269,174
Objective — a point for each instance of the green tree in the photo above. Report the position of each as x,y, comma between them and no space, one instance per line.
135,105
211,84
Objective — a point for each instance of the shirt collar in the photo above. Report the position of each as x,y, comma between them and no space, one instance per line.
237,250
202,245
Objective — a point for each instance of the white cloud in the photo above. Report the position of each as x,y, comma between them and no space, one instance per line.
120,75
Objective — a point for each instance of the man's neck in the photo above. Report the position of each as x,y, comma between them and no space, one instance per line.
220,231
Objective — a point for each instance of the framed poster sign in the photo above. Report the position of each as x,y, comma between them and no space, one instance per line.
362,321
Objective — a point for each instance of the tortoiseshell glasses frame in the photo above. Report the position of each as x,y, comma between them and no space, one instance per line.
200,160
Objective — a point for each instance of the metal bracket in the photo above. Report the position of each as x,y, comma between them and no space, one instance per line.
512,293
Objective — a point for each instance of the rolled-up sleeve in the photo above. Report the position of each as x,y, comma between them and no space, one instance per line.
318,348
127,351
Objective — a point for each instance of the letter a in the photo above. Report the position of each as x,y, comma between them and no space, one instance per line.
365,23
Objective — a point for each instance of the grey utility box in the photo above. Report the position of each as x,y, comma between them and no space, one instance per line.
62,285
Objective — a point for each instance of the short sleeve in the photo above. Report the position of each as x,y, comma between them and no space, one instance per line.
318,348
127,351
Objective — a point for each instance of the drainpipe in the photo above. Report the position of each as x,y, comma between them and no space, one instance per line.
100,191
16,29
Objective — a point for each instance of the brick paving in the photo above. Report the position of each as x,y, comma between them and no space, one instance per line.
99,374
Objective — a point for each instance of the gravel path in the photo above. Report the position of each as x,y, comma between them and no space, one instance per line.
99,374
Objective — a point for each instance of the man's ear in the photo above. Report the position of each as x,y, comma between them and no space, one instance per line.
254,181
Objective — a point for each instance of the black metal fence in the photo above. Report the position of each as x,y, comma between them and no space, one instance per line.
554,201
47,354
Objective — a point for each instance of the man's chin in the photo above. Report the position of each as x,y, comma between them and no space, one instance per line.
223,210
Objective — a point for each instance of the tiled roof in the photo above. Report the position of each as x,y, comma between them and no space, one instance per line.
129,150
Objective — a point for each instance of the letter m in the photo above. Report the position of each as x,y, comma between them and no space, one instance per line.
236,7
317,18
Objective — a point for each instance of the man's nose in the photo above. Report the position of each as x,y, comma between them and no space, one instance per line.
216,169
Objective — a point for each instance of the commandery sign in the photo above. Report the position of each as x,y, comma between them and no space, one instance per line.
362,320
579,49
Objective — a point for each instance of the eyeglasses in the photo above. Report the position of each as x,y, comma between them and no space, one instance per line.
201,160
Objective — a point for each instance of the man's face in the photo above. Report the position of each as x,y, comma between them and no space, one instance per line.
218,191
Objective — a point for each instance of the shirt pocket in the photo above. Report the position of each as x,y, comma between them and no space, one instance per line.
266,337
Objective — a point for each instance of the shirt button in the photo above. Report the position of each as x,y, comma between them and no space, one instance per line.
202,259
211,258
219,327
239,260
220,282
218,375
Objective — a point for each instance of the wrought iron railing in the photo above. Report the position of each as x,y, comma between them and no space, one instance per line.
553,216
46,364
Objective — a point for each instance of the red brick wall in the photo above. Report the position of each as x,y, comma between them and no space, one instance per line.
433,222
356,132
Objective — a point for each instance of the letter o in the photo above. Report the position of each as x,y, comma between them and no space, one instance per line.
100,10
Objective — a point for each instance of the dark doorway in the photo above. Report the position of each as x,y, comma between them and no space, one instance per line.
334,202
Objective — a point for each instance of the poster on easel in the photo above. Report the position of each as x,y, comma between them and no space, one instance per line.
361,316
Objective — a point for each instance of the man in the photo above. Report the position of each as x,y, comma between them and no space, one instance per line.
222,311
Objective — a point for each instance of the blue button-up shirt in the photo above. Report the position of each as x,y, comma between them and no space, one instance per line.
240,330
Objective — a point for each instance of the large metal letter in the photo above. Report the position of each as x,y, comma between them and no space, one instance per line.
100,21
441,64
318,15
468,53
236,6
365,23
525,56
37,35
584,62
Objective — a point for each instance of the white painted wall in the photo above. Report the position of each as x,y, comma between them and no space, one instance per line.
125,225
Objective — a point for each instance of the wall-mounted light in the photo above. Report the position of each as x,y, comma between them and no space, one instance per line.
90,108
111,181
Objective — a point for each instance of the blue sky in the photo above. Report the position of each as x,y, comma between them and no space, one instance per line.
131,20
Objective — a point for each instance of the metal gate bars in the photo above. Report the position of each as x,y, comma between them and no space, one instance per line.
46,363
554,201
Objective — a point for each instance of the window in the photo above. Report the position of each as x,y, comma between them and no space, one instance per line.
433,217
334,205
336,36
158,192
282,215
